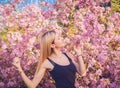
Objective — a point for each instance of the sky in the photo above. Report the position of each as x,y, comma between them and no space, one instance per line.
26,2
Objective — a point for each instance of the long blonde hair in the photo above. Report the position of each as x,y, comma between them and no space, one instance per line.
45,47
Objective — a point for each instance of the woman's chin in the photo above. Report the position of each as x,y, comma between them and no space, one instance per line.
63,45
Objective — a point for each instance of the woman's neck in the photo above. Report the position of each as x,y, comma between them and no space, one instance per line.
57,52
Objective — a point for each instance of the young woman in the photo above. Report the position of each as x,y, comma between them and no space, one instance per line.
61,65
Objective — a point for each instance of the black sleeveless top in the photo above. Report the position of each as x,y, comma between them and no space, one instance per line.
64,76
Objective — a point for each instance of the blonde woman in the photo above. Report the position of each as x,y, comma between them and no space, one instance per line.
61,65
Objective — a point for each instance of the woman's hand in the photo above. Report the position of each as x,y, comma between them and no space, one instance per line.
16,63
78,50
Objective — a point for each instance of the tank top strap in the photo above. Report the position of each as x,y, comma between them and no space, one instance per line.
67,57
52,62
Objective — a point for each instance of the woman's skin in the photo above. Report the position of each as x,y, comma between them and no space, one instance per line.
58,57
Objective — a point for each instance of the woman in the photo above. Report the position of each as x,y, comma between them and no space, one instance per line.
60,65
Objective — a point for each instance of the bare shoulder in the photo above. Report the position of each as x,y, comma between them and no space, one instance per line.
46,64
70,55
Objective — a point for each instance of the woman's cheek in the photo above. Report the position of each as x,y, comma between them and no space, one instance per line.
59,44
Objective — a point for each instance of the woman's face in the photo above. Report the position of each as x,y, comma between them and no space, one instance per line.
59,41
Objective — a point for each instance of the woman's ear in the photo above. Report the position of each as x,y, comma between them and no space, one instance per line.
52,45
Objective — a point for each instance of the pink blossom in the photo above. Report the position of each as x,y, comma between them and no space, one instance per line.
18,1
47,14
7,10
2,84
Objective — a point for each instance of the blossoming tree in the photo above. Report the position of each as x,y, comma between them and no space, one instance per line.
93,25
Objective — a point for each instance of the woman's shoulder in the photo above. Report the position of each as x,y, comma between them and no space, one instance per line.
71,56
68,54
46,64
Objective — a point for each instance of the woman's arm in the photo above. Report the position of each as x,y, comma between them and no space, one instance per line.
82,67
37,78
81,64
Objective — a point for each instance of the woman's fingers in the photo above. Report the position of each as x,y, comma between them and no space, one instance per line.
16,62
75,48
16,59
78,49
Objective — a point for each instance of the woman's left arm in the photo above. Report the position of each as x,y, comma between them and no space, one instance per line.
79,64
81,67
